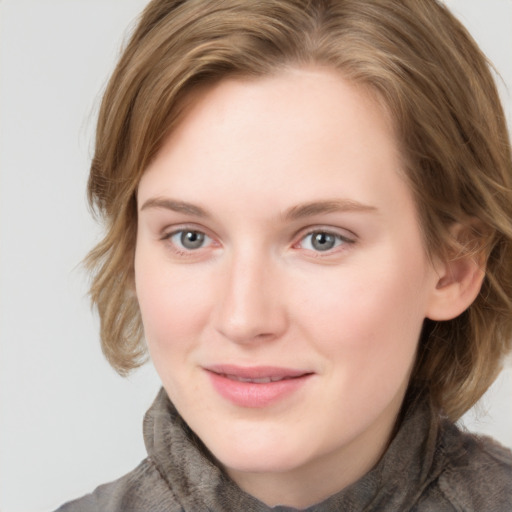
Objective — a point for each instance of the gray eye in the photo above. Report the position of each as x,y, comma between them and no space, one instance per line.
323,241
191,239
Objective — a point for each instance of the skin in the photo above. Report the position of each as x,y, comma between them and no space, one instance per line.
257,291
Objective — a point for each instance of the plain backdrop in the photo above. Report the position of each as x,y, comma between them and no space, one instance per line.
67,421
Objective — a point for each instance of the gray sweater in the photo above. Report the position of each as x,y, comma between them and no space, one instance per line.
430,466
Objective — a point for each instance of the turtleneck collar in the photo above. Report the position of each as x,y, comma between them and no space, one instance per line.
198,483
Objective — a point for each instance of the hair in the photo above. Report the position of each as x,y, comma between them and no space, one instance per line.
422,65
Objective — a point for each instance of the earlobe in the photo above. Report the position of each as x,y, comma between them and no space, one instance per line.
458,285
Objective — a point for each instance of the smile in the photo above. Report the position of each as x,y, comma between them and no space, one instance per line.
263,380
256,387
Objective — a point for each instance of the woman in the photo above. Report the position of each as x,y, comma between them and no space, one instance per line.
309,224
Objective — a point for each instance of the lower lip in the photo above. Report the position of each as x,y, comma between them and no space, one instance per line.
255,395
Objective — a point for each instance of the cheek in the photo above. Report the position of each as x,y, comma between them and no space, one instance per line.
369,313
173,304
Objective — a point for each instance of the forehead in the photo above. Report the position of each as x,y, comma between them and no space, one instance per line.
290,137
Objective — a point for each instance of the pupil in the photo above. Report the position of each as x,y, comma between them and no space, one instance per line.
192,239
323,241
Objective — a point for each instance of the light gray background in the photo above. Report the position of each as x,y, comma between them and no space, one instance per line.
67,421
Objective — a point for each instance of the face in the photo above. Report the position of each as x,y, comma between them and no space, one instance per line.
281,275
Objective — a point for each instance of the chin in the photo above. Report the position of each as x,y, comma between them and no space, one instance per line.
260,462
257,454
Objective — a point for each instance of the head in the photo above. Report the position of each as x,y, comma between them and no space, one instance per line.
416,61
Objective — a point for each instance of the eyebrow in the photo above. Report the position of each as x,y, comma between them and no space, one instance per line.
294,213
175,206
329,206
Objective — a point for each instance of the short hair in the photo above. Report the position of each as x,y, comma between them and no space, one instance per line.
418,60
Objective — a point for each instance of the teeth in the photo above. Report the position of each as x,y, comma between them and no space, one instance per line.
263,380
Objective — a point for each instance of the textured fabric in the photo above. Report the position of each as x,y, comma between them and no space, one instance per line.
430,466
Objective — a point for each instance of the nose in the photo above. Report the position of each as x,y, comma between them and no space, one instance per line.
250,307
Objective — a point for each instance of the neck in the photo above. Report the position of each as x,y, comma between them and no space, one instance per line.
322,477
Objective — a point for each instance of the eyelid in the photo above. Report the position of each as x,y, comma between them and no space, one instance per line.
347,238
171,231
343,233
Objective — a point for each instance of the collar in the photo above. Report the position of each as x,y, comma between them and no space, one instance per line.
198,483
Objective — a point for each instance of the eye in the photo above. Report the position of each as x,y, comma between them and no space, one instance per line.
189,239
322,241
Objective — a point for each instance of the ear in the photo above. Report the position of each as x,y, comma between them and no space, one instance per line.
459,280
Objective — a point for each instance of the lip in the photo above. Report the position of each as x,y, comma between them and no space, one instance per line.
257,386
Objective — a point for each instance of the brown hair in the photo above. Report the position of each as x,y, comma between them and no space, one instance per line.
416,57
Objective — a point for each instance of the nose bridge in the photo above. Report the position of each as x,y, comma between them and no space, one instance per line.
250,306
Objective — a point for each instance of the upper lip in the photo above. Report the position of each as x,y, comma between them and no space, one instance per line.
257,372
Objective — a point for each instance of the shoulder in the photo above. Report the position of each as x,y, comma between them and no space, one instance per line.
475,471
141,490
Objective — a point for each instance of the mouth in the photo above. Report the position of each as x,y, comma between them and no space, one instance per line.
262,380
257,374
256,387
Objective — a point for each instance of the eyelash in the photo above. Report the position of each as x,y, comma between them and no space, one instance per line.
340,241
184,251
